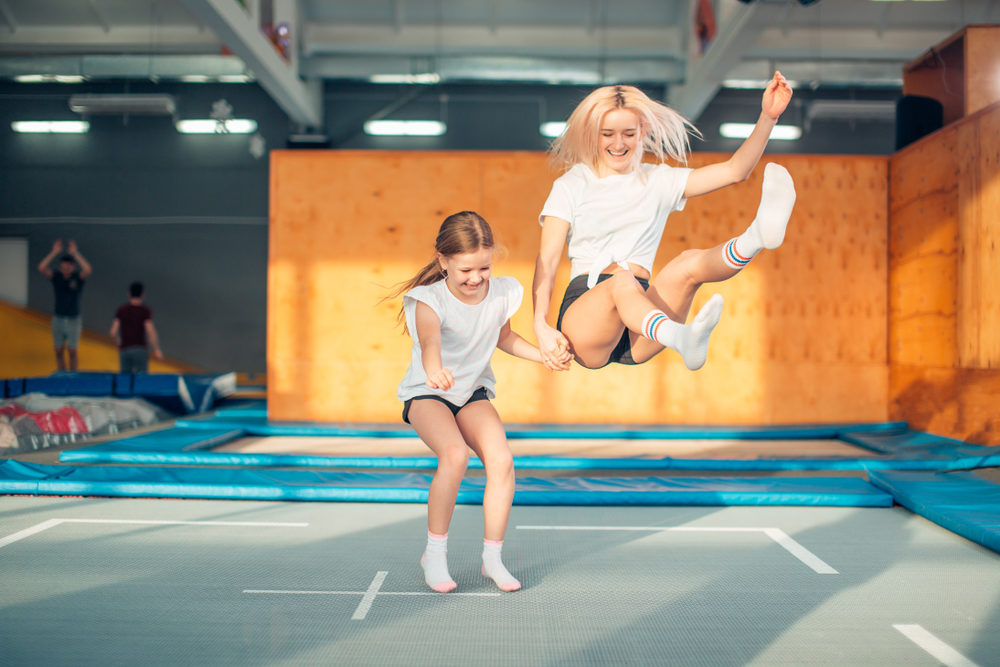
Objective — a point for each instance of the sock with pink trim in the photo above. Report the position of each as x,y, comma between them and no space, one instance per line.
435,564
494,569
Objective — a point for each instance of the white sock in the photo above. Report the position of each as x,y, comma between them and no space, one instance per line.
494,569
768,229
691,341
435,564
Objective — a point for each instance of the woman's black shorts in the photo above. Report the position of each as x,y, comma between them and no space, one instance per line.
478,395
622,354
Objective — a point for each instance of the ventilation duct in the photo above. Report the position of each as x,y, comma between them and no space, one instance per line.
154,105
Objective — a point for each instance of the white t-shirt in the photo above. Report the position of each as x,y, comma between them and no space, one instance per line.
616,219
469,335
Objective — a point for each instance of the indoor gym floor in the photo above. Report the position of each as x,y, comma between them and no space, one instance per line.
169,582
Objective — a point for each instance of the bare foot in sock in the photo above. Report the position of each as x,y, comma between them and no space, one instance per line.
777,199
694,348
436,575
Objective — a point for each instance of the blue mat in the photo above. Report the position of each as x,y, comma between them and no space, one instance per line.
963,502
307,485
178,393
187,443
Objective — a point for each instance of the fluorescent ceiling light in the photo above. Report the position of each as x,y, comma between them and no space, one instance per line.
405,128
51,126
49,78
212,126
429,78
743,130
552,128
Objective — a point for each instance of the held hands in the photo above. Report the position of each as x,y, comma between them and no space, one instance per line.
554,347
440,379
776,96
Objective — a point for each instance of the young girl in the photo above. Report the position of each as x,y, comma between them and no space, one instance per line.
457,315
611,209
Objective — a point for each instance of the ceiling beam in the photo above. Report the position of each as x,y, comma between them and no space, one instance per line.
738,32
482,40
303,102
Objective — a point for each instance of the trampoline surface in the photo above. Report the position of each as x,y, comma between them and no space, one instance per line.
730,448
167,582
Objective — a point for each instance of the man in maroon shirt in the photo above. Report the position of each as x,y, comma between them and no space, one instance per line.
132,328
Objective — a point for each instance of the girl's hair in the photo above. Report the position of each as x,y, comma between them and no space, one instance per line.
664,132
460,233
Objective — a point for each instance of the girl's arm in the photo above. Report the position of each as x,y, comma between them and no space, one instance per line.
738,167
429,335
513,344
552,343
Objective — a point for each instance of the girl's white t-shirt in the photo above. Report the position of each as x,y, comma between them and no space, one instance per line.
616,219
469,335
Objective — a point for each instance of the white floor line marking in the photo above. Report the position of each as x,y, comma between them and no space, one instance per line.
52,523
28,532
940,651
799,551
369,596
781,537
256,591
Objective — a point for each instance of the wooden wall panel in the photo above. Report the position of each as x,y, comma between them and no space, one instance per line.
944,321
802,339
979,234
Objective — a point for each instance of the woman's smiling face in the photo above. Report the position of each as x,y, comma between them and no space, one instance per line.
618,142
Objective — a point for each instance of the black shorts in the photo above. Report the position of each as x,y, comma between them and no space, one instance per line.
478,395
622,354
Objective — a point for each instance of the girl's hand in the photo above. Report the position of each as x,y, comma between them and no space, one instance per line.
776,96
441,379
554,348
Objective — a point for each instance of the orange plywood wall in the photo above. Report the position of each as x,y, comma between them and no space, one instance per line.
944,322
802,337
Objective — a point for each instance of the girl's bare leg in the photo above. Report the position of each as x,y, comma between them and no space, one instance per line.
481,426
437,427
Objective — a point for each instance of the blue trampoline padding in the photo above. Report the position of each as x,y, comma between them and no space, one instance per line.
240,484
165,446
72,384
962,502
256,423
13,387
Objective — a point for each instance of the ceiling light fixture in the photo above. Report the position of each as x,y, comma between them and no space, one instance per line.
50,126
405,128
212,126
743,130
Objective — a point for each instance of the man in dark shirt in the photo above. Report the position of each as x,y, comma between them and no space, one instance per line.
68,284
132,328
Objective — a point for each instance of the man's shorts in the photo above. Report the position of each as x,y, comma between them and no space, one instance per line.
66,331
478,395
622,354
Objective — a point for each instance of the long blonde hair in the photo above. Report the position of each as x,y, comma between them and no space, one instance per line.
664,132
460,233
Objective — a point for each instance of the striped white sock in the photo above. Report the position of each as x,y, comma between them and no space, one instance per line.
691,341
767,229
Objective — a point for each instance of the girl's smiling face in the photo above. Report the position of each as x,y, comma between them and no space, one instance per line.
468,274
618,142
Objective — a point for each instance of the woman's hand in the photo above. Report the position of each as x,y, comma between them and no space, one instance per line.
776,96
554,347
